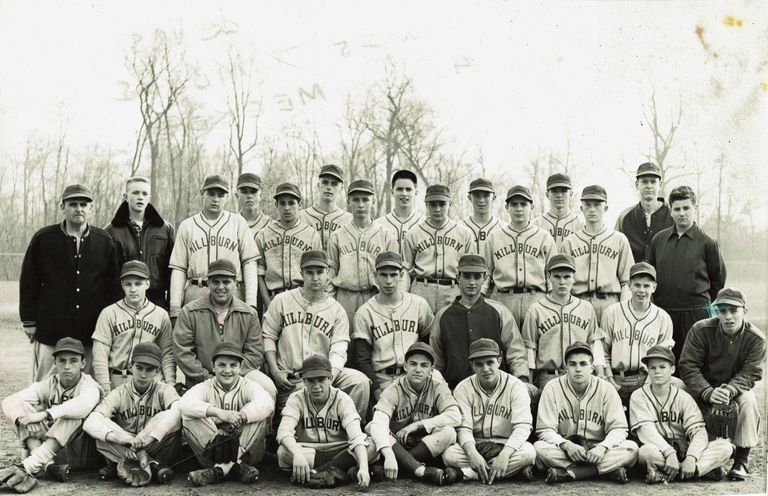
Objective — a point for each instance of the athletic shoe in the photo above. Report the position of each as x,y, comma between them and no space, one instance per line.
206,476
332,477
434,475
247,474
452,475
556,474
109,471
526,474
619,475
716,475
161,474
654,476
739,471
57,471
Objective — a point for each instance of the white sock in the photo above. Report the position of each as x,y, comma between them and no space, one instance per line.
419,472
225,467
470,474
40,456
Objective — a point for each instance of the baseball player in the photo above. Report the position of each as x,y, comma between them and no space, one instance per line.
281,244
249,194
581,425
325,216
671,428
225,420
555,322
603,256
320,434
48,418
629,329
432,250
496,421
122,325
306,321
482,221
139,420
387,325
414,420
212,234
403,216
517,255
353,248
559,220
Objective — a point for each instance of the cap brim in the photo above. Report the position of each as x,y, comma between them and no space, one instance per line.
147,360
78,196
134,273
360,190
560,185
482,188
647,358
309,374
728,301
68,349
333,175
520,195
227,354
594,197
482,354
221,273
562,266
216,186
315,264
287,193
394,265
437,197
472,268
643,273
649,173
421,352
585,350
249,184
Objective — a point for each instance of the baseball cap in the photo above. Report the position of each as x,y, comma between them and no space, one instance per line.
730,296
423,348
222,267
316,366
227,348
642,268
249,180
215,181
577,347
559,181
472,263
76,191
135,268
659,352
519,191
289,189
68,344
404,174
389,259
648,169
332,170
481,184
360,186
561,261
483,347
148,353
437,192
314,258
594,192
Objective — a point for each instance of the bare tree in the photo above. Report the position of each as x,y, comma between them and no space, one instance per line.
243,110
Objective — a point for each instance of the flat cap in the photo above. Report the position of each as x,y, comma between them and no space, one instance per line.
659,352
423,348
559,181
481,184
577,347
642,268
215,181
76,191
316,366
472,263
288,189
484,347
249,180
648,169
228,348
521,191
332,170
594,192
389,259
730,296
135,268
314,258
148,353
69,344
437,192
561,261
360,186
222,267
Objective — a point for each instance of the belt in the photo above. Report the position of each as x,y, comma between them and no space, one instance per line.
393,370
630,373
437,280
294,376
120,372
198,281
517,290
599,295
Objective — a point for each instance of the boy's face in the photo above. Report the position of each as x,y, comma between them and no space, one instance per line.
143,374
660,371
683,213
418,368
248,198
438,211
579,367
559,197
486,368
287,208
561,281
135,289
319,388
137,195
328,187
593,210
315,278
388,280
481,201
404,192
470,283
642,287
214,200
648,187
360,204
519,210
227,370
731,317
69,366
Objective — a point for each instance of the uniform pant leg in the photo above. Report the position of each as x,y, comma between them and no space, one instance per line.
600,304
427,291
748,420
549,455
199,432
166,451
522,457
264,381
437,441
455,457
383,380
649,455
193,292
357,386
42,361
283,394
623,455
446,295
252,442
351,301
79,450
715,455
316,453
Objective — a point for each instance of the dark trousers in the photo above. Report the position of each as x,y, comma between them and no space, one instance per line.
682,321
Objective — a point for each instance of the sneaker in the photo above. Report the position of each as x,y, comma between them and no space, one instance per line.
206,476
653,476
452,475
330,478
434,475
247,474
161,474
377,473
57,471
526,474
739,471
109,471
715,475
556,474
619,475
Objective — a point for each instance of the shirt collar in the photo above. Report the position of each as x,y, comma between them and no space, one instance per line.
64,230
692,233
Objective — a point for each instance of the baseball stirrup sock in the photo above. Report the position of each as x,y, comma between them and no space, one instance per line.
405,458
421,452
39,457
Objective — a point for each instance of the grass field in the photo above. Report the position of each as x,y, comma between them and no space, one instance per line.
15,361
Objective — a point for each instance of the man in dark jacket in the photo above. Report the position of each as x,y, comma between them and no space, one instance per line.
68,276
140,233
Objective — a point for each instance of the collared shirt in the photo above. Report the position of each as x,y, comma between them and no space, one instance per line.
635,225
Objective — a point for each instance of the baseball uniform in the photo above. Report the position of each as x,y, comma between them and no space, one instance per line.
675,425
120,328
501,417
431,256
325,223
244,396
260,222
352,257
400,227
559,228
549,328
281,250
480,233
295,328
602,266
596,417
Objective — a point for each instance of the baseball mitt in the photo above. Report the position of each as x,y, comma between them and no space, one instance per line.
489,450
17,479
721,420
135,473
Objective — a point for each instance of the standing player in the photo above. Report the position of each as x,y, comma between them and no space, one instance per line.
496,420
282,243
517,255
432,250
212,234
670,425
225,420
414,419
325,216
403,216
603,256
249,193
482,221
140,233
641,222
353,248
581,426
559,220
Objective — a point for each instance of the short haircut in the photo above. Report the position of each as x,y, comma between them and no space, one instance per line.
405,174
682,193
137,179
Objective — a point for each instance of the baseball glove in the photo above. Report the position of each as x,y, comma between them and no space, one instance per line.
721,420
489,450
17,479
135,473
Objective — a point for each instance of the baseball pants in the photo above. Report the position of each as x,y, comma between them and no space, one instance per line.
436,441
166,450
455,457
352,300
351,381
518,303
385,380
42,361
600,303
747,420
550,455
682,321
629,384
318,454
715,455
436,295
200,432
262,380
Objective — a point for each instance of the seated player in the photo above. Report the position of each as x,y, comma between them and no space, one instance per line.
321,439
414,419
581,425
225,420
48,417
496,420
671,428
139,420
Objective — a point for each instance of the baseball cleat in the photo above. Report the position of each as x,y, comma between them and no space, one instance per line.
653,476
247,474
716,475
57,471
739,471
619,475
452,475
161,474
556,474
434,475
332,477
206,476
526,474
109,471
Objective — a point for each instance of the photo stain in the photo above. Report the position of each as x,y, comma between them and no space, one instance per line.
700,35
733,22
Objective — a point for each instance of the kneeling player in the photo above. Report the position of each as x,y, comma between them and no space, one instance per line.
225,420
319,429
414,419
669,423
581,425
49,415
139,421
496,420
